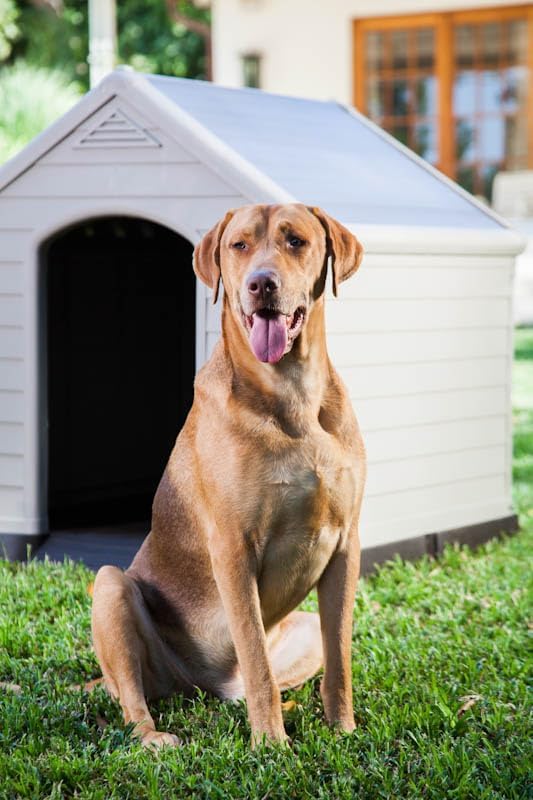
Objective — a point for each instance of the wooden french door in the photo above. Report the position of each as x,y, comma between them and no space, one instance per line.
454,87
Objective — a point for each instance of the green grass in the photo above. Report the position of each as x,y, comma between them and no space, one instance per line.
427,636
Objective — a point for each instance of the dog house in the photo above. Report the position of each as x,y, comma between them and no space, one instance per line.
102,323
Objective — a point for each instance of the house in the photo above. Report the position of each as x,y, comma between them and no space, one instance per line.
449,78
102,323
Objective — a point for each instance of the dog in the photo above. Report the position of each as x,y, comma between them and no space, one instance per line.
260,499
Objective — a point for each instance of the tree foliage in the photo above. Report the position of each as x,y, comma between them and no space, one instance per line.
55,35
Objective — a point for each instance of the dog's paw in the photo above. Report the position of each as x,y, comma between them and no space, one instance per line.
157,739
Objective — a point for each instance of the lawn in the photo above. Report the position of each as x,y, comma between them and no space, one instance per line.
439,675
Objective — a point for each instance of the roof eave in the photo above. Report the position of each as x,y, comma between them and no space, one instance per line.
398,239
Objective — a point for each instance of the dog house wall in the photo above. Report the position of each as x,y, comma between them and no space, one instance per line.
422,335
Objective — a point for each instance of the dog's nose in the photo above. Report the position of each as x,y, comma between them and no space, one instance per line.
263,283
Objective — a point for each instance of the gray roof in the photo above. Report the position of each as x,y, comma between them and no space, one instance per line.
328,155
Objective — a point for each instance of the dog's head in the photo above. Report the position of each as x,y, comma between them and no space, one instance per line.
272,261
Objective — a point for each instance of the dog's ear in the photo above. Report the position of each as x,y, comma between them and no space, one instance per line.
345,250
206,260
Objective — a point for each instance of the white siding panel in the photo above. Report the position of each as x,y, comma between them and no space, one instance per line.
11,373
11,470
412,281
410,473
213,312
11,438
393,443
119,180
11,310
351,316
11,342
391,412
11,503
11,406
385,347
11,276
397,379
381,508
13,243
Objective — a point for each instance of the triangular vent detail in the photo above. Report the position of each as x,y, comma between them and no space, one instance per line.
118,130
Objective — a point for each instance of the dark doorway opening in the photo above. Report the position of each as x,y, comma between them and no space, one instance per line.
120,323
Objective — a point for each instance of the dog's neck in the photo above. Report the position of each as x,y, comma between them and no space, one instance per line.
291,390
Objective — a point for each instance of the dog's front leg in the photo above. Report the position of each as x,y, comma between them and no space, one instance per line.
336,595
234,568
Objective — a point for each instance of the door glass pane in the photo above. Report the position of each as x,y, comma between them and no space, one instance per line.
406,101
400,98
426,96
464,92
516,38
489,100
425,141
465,140
491,90
464,45
491,132
490,44
424,47
399,50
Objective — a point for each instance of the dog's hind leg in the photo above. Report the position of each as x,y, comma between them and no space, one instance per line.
296,652
133,658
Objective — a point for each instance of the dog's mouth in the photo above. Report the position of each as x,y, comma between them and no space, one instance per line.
272,333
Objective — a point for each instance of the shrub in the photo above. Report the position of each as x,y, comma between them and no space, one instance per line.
31,98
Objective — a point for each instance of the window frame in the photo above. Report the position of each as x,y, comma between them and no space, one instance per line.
443,24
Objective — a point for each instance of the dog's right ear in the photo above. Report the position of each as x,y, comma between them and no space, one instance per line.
206,260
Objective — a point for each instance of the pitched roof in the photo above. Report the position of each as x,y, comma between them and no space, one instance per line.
315,152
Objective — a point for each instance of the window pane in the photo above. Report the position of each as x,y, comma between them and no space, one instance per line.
464,92
464,140
466,177
514,94
464,45
376,98
374,50
401,133
515,140
491,91
399,49
425,47
491,39
425,141
492,138
400,98
426,96
488,173
517,41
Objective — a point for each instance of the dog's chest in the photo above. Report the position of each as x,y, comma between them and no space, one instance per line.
307,507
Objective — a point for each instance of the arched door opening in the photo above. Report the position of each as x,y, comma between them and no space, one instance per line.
120,361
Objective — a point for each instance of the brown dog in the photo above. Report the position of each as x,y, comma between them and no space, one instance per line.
260,500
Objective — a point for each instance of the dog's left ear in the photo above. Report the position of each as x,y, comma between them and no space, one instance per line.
345,250
206,260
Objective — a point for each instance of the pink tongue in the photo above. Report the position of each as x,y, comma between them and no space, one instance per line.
269,337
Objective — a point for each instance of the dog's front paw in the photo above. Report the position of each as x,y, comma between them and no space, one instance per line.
269,737
157,739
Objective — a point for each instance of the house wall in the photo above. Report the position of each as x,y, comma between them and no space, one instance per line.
139,173
306,47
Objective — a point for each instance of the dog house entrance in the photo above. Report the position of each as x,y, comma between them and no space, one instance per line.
120,320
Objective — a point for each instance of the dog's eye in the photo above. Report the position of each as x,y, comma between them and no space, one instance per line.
239,245
295,242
